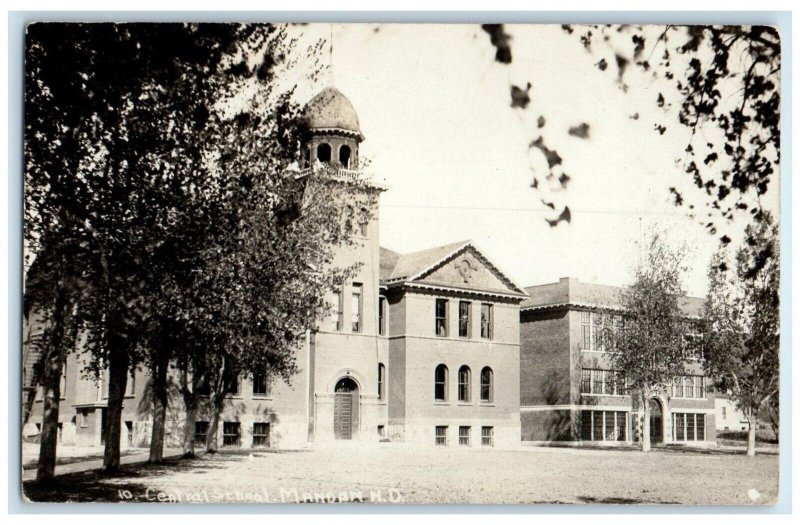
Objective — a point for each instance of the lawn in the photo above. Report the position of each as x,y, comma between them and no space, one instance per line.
394,473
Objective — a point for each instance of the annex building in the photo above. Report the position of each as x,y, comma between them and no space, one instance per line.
569,390
437,347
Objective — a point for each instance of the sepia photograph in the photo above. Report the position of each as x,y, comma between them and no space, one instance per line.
401,263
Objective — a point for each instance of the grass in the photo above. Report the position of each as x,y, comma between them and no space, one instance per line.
393,473
764,436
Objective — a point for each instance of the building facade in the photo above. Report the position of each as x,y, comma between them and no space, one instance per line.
569,390
422,347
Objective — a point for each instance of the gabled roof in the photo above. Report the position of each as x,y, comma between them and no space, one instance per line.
569,291
411,266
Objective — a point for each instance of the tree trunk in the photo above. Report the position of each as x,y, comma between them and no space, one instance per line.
188,430
160,401
51,384
52,368
217,402
191,403
752,421
645,425
118,365
212,441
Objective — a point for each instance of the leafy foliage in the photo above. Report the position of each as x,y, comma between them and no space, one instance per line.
725,83
742,318
198,240
650,348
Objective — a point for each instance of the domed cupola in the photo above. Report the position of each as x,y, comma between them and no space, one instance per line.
335,132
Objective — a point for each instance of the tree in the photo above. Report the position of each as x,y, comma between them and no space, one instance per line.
724,85
742,313
650,348
110,151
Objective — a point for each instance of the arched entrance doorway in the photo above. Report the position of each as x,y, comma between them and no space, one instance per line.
345,408
656,421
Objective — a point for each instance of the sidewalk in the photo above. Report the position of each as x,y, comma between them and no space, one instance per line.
94,464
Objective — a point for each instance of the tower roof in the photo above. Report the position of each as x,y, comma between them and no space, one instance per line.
329,110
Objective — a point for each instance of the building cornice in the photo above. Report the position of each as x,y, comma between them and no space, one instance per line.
433,287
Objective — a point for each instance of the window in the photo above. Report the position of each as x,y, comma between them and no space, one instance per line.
610,427
324,152
463,436
130,387
597,425
464,325
129,432
586,331
487,386
260,434
381,315
381,380
724,413
487,436
382,431
200,432
344,155
357,305
486,321
83,417
441,436
261,383
597,332
440,383
598,380
62,385
102,386
689,387
339,325
230,434
232,383
441,317
602,382
689,427
463,384
603,425
363,222
622,426
677,387
586,381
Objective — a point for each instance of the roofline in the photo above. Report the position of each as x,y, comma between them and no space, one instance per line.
342,131
592,306
462,246
454,289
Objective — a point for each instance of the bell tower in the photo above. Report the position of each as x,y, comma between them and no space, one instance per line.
335,131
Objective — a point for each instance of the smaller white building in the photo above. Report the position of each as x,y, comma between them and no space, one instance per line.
729,417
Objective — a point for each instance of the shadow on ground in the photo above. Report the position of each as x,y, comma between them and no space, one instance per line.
99,486
69,460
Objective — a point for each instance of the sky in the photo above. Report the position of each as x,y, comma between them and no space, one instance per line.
434,107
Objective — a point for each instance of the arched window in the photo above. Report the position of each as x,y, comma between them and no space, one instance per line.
324,152
381,380
487,385
363,222
440,383
463,383
344,155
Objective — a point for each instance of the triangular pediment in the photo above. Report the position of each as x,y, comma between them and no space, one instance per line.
467,268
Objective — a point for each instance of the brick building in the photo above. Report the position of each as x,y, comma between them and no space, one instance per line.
421,347
568,391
